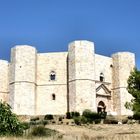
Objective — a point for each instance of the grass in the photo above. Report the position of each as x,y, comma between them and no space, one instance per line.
87,132
82,137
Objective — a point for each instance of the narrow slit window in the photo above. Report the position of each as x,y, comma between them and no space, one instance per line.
101,77
53,97
52,76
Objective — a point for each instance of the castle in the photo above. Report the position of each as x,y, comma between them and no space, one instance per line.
54,83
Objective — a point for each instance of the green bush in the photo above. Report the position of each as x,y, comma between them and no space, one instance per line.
38,131
25,125
68,115
41,131
87,113
103,115
130,117
91,116
84,120
136,116
110,121
77,120
32,122
44,122
60,119
97,121
9,123
74,114
125,121
48,117
34,119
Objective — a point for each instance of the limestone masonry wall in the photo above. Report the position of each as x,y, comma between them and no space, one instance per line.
4,80
23,80
46,63
82,76
123,64
54,83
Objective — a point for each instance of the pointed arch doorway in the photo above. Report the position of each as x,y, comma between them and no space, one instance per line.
101,107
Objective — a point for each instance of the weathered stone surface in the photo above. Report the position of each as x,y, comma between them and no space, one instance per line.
82,80
4,80
123,64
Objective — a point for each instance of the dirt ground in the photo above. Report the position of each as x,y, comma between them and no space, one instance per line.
97,130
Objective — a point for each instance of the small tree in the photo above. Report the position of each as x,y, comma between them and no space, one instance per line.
9,123
134,89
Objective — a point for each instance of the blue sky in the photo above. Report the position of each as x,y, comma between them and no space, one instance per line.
49,25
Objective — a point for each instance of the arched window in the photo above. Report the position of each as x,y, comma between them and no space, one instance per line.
101,77
52,75
53,96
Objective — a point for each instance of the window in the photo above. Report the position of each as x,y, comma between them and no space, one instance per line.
53,97
52,75
101,77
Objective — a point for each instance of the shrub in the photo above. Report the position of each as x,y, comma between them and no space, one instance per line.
60,119
136,116
87,113
68,115
84,120
53,122
110,120
48,117
32,122
38,131
34,119
74,114
97,121
91,116
44,122
41,131
130,117
9,123
103,115
25,125
124,121
77,120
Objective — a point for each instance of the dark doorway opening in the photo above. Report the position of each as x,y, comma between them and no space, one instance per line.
101,107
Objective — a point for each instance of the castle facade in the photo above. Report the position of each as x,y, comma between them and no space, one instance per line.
54,83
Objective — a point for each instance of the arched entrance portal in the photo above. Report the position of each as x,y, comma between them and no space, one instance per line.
101,107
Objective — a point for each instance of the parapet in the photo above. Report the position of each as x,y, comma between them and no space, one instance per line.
83,43
123,54
3,62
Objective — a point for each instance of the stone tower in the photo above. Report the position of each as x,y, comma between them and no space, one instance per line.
123,64
4,80
23,80
81,76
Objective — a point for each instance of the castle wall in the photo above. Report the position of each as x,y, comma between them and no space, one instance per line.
77,78
81,76
46,63
4,80
123,64
23,80
103,65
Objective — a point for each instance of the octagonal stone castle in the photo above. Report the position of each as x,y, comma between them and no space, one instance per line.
54,83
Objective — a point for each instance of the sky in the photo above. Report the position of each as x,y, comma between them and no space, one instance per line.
50,25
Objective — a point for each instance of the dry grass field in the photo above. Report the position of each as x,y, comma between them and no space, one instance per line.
99,132
90,132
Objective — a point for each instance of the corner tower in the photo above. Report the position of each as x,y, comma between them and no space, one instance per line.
4,80
23,80
123,64
81,76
